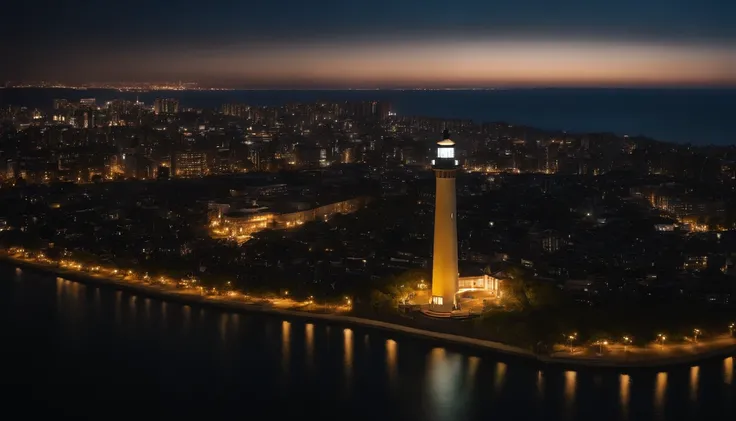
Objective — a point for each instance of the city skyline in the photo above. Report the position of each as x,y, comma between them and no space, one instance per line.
398,45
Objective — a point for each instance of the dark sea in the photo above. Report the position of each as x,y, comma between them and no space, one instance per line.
697,116
70,351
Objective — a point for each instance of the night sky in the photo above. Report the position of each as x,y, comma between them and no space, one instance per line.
377,43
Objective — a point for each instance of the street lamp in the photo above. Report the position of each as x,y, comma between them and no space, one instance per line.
696,332
600,346
570,338
627,342
661,339
731,328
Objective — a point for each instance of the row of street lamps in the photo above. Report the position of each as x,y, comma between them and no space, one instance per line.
71,264
627,340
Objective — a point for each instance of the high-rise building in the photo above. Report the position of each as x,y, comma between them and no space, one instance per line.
444,266
236,110
189,164
166,106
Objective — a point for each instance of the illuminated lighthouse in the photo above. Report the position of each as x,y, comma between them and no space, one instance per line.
444,266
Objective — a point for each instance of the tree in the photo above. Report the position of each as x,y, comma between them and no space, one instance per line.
379,298
529,294
542,294
516,291
402,286
412,278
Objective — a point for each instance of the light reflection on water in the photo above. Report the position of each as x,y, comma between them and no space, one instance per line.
391,361
540,384
186,312
473,363
443,383
164,310
285,346
694,376
222,327
133,307
660,390
235,322
440,383
570,389
348,347
309,339
59,292
500,377
624,394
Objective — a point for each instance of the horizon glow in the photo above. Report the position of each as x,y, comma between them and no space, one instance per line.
427,63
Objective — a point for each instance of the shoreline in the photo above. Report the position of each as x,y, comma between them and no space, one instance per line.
458,340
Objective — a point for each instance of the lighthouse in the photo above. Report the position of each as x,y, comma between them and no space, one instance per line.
444,265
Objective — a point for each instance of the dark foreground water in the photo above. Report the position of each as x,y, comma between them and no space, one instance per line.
73,351
697,116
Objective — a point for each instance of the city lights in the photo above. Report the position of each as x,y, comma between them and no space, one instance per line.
338,200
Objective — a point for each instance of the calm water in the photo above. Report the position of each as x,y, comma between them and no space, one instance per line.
697,116
87,352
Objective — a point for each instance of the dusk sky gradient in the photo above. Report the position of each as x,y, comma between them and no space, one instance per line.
413,43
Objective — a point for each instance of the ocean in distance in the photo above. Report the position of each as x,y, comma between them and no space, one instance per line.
74,351
696,116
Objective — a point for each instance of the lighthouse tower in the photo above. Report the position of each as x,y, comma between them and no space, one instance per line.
444,266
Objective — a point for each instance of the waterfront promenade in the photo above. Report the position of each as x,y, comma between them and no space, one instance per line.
615,356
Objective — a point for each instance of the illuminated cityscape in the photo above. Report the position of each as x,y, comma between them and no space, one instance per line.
335,199
119,86
406,210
